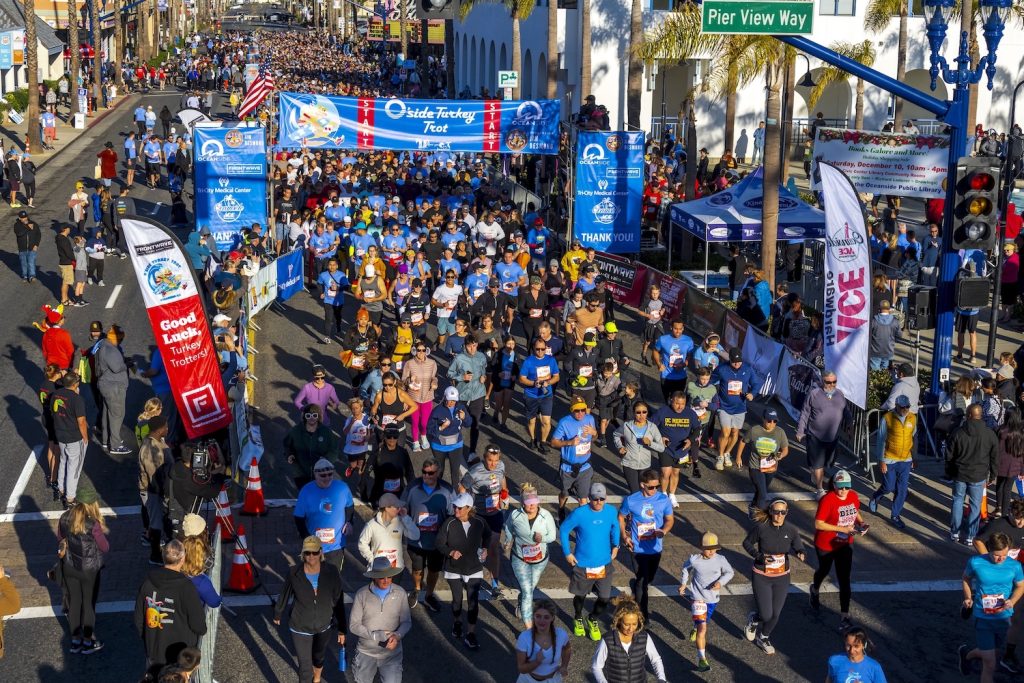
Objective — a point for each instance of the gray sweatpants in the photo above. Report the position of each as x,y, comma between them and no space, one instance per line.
72,458
113,414
365,668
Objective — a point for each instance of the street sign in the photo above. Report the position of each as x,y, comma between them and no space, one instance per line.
508,94
757,17
508,79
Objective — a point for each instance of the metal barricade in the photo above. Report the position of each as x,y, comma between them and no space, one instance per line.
208,642
865,446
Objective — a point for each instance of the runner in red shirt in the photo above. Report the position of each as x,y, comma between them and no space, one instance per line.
837,521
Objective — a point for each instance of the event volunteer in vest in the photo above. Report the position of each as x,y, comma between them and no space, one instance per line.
896,431
623,651
324,509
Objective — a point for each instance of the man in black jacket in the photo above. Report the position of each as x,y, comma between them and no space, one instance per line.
187,489
27,233
168,611
66,261
971,463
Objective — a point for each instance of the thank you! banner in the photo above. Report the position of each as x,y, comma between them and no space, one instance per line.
179,325
609,190
847,285
230,181
368,123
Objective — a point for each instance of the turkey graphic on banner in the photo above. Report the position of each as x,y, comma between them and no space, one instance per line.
847,284
179,324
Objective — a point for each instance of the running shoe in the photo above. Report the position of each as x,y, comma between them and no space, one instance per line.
873,506
765,645
703,664
728,461
696,473
91,646
815,599
845,624
120,450
674,500
432,603
471,642
457,630
1009,664
76,647
577,628
594,630
820,493
962,662
412,597
693,635
719,464
750,632
424,442
899,523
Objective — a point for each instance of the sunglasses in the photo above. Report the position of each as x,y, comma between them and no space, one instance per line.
429,473
307,553
648,488
388,384
579,410
421,350
312,416
768,421
780,512
826,383
640,412
598,500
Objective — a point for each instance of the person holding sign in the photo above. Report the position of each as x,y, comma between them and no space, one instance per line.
770,542
770,445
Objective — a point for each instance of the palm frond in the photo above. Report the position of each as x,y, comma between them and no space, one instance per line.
880,12
520,9
863,52
677,37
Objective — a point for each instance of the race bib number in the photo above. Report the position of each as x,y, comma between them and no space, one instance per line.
645,531
449,305
586,370
775,565
391,554
392,485
655,316
509,286
326,536
734,387
536,312
427,521
358,361
417,318
387,419
532,553
992,604
699,610
595,572
543,373
554,291
675,360
582,449
492,503
700,412
769,465
360,252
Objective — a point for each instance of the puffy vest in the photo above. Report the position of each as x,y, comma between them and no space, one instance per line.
622,666
83,553
899,436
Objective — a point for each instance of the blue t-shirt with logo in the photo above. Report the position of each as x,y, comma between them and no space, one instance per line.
548,368
992,583
674,352
842,670
646,515
508,274
568,429
324,512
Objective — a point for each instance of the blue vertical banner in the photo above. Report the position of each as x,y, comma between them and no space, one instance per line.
289,274
230,181
609,190
6,50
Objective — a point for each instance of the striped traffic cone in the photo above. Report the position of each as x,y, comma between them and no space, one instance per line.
242,578
253,505
224,519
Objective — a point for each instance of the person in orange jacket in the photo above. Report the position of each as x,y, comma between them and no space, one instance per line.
58,348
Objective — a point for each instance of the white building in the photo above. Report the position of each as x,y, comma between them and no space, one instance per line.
483,46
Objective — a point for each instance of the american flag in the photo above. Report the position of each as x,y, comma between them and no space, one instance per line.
261,86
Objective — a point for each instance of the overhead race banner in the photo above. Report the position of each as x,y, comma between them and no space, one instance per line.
609,190
847,285
885,163
289,274
369,123
230,181
179,325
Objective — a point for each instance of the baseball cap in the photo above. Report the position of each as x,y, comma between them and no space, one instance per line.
902,401
590,339
535,280
221,316
451,394
86,494
323,464
463,500
311,544
597,490
538,221
553,262
611,328
494,282
842,480
389,500
95,326
709,541
735,355
23,214
771,415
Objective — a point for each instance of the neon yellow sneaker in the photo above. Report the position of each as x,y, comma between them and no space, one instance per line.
594,630
577,628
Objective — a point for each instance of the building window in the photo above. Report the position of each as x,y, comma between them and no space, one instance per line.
838,8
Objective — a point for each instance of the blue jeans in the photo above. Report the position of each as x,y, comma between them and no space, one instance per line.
879,363
975,491
896,480
528,576
28,263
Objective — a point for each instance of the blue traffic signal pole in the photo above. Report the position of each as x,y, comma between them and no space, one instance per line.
954,114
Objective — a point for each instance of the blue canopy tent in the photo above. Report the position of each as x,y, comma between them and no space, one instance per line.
734,215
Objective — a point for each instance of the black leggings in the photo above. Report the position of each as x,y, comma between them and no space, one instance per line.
311,651
842,557
770,598
333,321
83,587
472,587
577,607
95,268
476,409
632,478
1004,494
645,566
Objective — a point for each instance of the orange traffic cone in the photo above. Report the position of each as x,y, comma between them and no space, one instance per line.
253,505
224,519
241,579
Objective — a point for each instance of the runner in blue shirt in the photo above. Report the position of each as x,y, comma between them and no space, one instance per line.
538,238
854,666
671,353
680,427
319,245
152,151
324,509
735,383
476,282
131,153
992,586
574,435
648,514
592,559
539,376
509,273
333,285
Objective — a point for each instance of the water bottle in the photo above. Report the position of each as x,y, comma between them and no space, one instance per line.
341,659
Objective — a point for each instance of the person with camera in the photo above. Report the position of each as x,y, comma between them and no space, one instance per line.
324,509
319,605
196,476
380,619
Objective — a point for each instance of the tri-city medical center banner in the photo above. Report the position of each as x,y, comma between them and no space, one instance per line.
179,325
371,123
230,181
609,191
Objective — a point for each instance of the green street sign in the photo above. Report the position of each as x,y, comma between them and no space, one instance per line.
757,17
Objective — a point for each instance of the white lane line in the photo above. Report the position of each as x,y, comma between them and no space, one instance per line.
665,591
113,296
26,474
130,510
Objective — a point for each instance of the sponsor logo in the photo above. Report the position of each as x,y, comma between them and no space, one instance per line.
719,232
605,212
166,279
528,112
720,199
229,209
211,149
153,247
801,380
613,143
244,169
785,203
516,139
602,185
592,154
793,232
234,138
845,244
202,405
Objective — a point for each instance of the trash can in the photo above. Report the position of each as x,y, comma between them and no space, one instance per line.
79,121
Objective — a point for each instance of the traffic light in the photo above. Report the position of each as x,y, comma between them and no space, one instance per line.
437,9
976,207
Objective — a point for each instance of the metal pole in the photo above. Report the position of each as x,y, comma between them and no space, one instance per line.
1008,183
663,105
917,353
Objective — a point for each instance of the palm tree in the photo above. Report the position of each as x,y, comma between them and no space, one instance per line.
76,68
863,52
519,9
118,42
32,65
552,49
585,67
97,60
772,163
876,20
635,77
403,16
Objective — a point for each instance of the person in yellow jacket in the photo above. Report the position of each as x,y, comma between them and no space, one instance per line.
572,260
10,603
896,432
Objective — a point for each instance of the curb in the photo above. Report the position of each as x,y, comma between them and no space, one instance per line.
95,121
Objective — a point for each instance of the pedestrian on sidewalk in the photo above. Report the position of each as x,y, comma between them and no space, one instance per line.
82,544
971,458
896,432
28,179
13,169
28,236
81,273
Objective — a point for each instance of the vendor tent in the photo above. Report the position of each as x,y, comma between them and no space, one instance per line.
734,214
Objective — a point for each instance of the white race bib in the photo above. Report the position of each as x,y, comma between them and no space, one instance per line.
992,604
586,370
326,536
391,554
532,553
427,521
543,373
775,564
734,387
645,531
699,608
536,312
582,449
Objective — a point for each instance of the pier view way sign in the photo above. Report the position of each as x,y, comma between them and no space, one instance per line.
757,17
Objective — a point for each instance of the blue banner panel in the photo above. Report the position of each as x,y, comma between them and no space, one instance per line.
369,123
230,181
609,191
289,274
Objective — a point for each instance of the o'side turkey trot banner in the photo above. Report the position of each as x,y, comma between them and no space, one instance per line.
179,324
847,284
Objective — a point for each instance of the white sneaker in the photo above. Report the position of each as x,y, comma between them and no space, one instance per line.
424,442
416,447
821,493
750,632
720,464
101,283
728,461
675,501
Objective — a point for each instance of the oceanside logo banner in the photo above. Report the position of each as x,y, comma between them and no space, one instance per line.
368,123
609,190
179,325
230,181
289,274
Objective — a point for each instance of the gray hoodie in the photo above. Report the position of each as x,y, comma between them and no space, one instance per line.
638,456
111,370
704,572
905,386
884,331
371,619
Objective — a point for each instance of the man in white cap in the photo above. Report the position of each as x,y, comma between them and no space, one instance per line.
387,532
444,432
380,619
324,509
592,558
